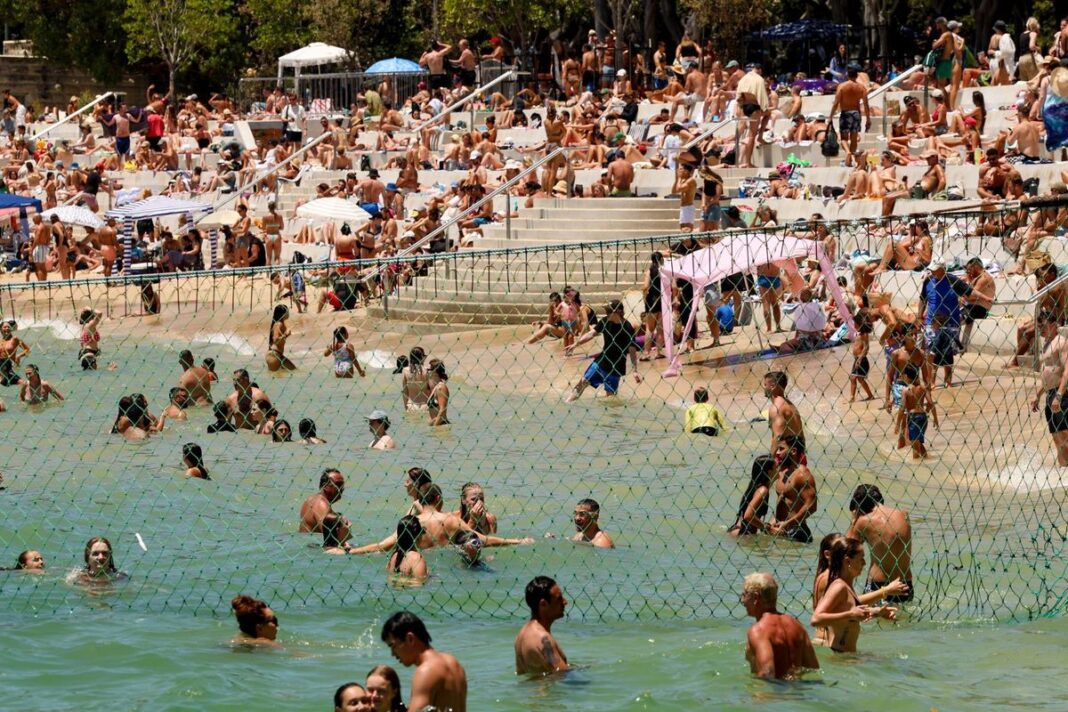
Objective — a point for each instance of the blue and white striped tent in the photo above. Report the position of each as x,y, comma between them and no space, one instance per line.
157,206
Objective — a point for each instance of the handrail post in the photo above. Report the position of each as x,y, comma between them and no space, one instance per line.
510,74
507,216
259,178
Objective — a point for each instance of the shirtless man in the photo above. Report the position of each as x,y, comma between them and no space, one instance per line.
319,505
1023,141
439,680
572,72
536,650
591,70
783,418
795,491
686,188
587,512
1053,383
888,533
777,646
107,237
175,410
933,179
850,98
694,88
121,121
465,65
434,61
243,389
977,304
40,246
196,380
370,189
620,176
555,130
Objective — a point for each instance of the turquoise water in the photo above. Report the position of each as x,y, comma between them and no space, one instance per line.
657,621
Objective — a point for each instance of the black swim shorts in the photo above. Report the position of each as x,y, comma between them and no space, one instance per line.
872,586
1057,422
972,313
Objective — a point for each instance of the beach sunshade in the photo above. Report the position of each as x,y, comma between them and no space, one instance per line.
334,209
75,215
219,219
394,65
315,54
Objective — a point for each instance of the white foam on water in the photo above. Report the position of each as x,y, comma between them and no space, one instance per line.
63,330
235,342
1023,476
377,359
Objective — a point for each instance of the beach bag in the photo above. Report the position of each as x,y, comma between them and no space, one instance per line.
930,60
746,317
829,147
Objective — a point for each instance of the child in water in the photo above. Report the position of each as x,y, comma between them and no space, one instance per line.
861,366
703,417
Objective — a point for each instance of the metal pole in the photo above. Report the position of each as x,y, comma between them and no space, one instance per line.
82,110
238,191
460,102
508,216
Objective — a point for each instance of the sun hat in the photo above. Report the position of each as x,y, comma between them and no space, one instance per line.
560,187
378,415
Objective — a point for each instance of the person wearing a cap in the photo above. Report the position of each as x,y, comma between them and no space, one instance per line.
621,86
957,61
591,70
694,88
933,179
609,366
378,423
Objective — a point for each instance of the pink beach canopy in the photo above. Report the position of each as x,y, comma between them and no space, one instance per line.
740,253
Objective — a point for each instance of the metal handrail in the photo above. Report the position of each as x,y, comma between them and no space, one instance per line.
510,74
707,132
300,152
475,206
67,118
894,82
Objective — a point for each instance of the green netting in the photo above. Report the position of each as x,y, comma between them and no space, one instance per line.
986,507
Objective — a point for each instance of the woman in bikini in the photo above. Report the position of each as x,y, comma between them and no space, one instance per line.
90,338
406,559
473,510
840,611
414,388
438,403
276,341
193,460
345,361
35,391
10,356
273,225
753,506
653,297
554,325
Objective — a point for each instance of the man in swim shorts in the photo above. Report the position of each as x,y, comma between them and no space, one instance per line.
850,97
796,493
888,533
783,417
195,380
40,246
777,645
610,365
536,650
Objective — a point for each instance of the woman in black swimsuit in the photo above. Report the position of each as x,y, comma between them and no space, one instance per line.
754,504
9,354
652,305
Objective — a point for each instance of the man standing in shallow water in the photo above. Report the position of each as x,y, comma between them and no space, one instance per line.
1053,384
196,380
783,418
536,650
796,493
776,646
319,505
611,364
888,533
439,679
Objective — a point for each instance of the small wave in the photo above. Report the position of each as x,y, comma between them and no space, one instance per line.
63,330
377,359
235,342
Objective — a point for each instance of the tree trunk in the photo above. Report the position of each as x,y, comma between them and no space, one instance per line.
669,14
171,71
602,17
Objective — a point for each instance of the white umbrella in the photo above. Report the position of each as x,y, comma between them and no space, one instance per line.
334,209
219,219
75,215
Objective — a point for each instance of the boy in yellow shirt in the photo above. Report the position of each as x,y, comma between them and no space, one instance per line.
703,417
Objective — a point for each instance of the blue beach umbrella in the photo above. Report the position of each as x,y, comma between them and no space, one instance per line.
394,65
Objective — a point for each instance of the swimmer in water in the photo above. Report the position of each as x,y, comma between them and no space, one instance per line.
90,338
124,423
406,559
99,561
257,623
437,404
351,697
276,340
336,534
308,436
378,423
777,646
282,432
30,560
384,688
33,390
345,361
536,650
473,509
223,416
587,512
196,380
414,387
841,610
12,351
180,400
193,459
318,506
